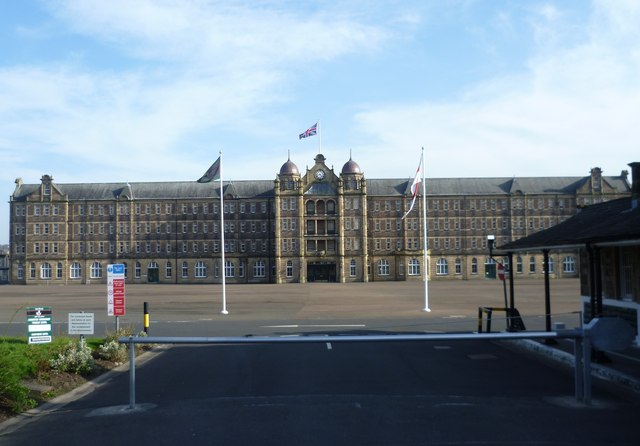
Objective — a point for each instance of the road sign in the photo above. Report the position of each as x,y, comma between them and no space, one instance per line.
115,290
39,324
501,271
81,323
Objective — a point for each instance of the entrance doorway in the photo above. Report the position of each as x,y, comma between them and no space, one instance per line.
153,273
321,272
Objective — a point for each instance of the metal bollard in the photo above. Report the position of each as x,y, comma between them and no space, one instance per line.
146,317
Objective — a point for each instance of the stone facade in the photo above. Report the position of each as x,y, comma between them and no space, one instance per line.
317,225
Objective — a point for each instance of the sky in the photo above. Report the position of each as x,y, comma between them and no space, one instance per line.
120,90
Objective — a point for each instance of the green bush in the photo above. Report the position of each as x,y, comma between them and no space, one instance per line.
113,351
75,358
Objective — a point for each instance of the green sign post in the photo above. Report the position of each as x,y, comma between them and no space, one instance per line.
39,325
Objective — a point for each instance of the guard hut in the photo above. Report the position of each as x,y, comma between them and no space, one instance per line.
607,236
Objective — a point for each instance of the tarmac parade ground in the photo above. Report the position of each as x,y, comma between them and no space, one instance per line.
263,309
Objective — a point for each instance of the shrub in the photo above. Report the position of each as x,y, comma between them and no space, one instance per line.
75,357
113,351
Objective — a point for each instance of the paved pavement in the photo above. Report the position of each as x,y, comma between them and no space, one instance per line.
285,310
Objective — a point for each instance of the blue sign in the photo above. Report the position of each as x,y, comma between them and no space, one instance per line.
116,268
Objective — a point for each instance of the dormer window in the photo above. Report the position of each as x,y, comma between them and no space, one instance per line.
46,190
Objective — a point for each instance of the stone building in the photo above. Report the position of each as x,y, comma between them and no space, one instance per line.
312,225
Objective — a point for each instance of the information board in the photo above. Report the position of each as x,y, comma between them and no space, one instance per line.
81,323
115,290
39,324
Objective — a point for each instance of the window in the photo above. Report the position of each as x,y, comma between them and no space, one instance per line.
519,265
185,270
75,272
96,270
229,269
168,271
201,269
474,266
45,271
258,269
32,270
352,268
532,264
458,266
20,271
414,267
442,267
569,265
289,272
311,207
383,267
138,270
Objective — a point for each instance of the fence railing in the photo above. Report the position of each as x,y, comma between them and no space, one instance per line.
582,351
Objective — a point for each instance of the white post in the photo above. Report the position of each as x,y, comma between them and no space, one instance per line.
424,236
224,289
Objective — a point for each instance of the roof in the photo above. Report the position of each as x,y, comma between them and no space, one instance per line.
614,221
388,187
154,190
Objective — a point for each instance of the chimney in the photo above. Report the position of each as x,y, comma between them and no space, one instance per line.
635,184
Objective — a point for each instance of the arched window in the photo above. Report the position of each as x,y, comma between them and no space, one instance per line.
519,265
45,271
200,269
75,271
552,266
532,264
20,271
414,267
569,265
458,266
96,270
311,207
331,207
383,267
442,267
185,270
258,269
229,269
320,208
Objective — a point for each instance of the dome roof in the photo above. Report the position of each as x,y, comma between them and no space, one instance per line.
351,167
289,168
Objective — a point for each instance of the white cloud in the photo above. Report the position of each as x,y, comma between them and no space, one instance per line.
571,109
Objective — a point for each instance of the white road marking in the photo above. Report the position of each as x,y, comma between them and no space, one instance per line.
329,346
315,326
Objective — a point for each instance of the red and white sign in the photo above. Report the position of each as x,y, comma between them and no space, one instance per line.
501,271
115,290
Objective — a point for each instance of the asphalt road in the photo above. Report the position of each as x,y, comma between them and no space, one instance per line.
393,393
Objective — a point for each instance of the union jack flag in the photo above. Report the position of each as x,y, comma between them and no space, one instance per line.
311,131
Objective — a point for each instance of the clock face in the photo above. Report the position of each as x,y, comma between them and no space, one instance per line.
319,174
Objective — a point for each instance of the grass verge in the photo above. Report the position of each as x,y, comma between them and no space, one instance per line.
33,374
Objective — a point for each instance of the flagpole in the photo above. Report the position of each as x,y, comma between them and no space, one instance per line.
319,137
224,289
424,237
